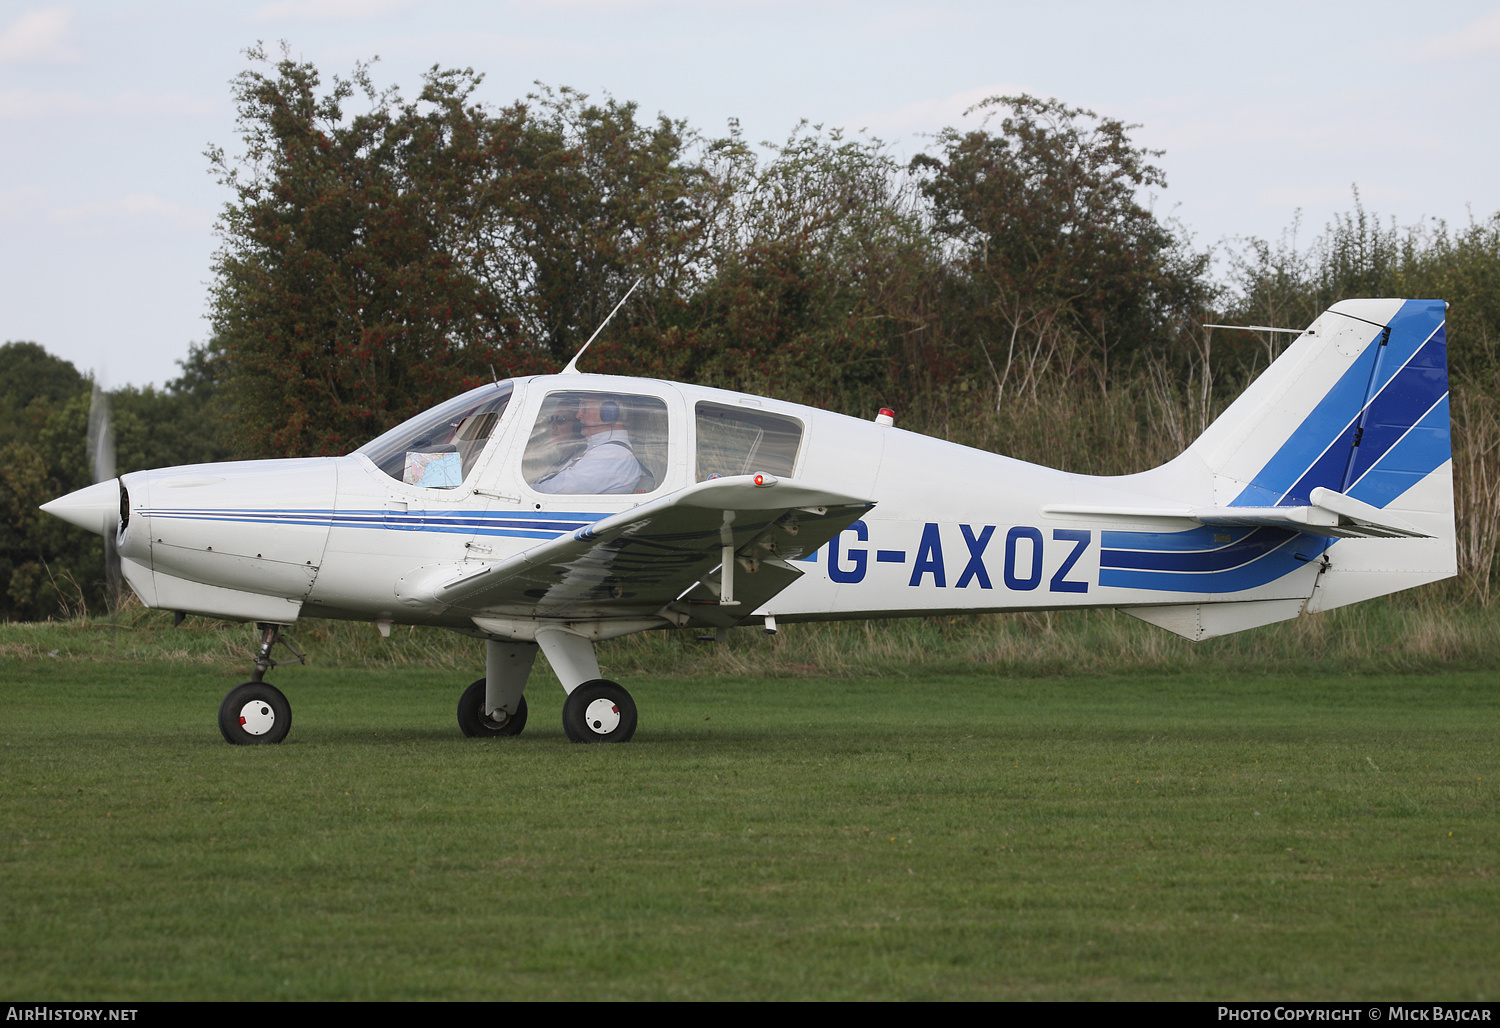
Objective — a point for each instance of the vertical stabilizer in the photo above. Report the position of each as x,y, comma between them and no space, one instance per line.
1353,417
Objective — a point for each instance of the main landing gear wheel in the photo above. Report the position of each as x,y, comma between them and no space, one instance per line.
599,711
255,714
473,722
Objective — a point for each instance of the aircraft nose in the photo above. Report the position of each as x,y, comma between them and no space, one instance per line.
95,508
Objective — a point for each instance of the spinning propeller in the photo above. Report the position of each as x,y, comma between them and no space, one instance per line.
101,443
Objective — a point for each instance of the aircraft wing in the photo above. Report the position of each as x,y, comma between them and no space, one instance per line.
641,562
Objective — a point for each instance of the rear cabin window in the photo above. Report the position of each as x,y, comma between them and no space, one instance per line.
743,441
438,448
593,443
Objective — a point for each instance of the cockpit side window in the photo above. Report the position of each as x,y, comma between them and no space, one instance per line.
593,443
744,441
438,448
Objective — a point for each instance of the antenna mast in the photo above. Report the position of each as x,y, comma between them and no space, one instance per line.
1261,328
572,368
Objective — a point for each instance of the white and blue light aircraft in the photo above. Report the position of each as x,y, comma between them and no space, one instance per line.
552,512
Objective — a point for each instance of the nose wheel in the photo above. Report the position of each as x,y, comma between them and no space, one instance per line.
255,714
599,711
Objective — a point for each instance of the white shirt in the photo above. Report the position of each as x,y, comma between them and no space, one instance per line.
606,464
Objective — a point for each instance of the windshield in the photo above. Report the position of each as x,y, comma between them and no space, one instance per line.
437,448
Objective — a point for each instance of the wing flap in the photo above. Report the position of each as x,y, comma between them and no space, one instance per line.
753,587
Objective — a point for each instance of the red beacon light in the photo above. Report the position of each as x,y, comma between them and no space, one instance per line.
885,417
764,480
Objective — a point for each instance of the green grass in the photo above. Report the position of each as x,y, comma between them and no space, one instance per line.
1416,631
1140,836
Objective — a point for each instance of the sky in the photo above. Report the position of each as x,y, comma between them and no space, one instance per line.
1269,114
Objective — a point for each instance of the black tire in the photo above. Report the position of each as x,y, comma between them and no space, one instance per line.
613,721
473,723
255,714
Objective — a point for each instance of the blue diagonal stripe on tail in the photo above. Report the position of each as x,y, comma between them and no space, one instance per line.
1405,384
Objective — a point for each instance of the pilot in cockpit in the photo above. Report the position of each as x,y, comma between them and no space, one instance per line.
605,463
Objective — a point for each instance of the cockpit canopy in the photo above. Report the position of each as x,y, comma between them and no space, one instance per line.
589,441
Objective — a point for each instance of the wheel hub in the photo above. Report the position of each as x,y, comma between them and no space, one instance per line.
602,716
257,717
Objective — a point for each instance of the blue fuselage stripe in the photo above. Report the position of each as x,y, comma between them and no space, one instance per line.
1250,548
486,523
1294,550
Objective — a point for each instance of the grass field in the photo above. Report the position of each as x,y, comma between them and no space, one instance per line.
1130,836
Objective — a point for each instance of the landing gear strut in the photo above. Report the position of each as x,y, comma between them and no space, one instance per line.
494,705
476,724
596,710
256,713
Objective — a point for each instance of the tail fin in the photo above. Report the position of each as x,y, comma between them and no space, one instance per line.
1355,410
1358,405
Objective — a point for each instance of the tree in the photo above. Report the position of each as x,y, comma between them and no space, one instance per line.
601,199
354,284
45,564
814,269
1360,254
32,382
375,263
48,567
1052,241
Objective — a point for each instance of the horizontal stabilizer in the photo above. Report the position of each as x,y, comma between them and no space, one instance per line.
1330,514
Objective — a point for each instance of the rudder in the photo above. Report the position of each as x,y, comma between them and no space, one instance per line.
1357,405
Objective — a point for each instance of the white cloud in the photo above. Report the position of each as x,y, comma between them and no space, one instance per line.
1277,128
26,103
329,10
174,104
1481,36
1314,196
475,47
932,114
39,37
19,203
19,104
133,205
629,8
907,22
